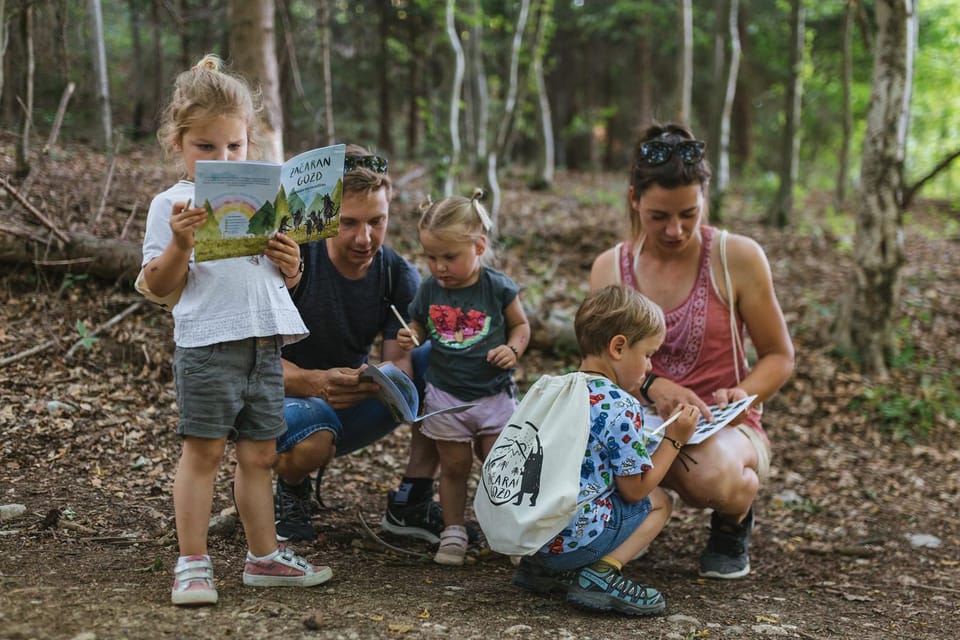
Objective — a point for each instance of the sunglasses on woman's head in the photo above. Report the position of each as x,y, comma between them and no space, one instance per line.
656,152
373,163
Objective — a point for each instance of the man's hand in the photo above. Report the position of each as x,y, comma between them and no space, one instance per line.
341,387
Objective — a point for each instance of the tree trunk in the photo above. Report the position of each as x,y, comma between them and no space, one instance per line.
159,81
544,174
722,177
100,68
138,126
254,52
184,20
3,40
23,148
84,253
324,11
779,216
480,94
645,72
685,72
456,91
385,139
840,195
866,321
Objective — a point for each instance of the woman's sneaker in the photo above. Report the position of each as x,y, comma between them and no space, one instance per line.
284,569
727,555
453,546
193,581
293,511
603,588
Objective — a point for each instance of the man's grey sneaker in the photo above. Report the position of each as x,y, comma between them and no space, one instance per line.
531,574
286,569
603,588
423,520
727,553
292,510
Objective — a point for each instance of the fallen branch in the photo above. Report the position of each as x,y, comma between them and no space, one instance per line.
29,352
386,544
943,164
106,325
36,212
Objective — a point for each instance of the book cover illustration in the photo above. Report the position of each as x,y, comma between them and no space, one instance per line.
703,430
249,201
399,394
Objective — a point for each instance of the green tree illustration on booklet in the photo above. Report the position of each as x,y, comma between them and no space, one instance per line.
247,202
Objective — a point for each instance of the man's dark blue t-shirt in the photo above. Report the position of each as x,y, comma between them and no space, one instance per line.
345,316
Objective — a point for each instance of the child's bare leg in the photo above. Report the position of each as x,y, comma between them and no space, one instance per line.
193,491
456,460
254,494
484,444
649,529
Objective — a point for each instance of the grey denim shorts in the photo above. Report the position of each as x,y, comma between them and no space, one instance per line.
230,389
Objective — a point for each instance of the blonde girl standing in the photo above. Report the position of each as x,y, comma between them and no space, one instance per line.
230,322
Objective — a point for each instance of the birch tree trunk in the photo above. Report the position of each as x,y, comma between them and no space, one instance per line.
510,104
254,52
456,90
686,61
866,321
100,68
840,194
385,98
545,169
782,209
730,91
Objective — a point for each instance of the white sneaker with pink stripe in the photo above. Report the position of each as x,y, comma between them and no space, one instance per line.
284,569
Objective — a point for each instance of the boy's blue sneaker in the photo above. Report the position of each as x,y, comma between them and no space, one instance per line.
603,588
727,553
533,575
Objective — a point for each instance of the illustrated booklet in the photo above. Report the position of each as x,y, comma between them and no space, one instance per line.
248,201
398,392
653,424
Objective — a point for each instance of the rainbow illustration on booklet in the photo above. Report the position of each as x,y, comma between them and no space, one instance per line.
249,201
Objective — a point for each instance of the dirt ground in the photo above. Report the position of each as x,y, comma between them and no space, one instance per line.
857,531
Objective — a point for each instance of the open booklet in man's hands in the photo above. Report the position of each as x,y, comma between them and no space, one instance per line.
653,423
398,392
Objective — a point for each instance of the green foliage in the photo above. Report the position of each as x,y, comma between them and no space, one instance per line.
86,339
71,280
908,414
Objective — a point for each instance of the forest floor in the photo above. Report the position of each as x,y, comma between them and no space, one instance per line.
857,535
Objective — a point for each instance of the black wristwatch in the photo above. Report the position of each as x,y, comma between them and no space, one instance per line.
645,387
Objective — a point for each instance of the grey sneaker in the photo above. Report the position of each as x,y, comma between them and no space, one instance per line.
292,510
727,553
533,575
603,588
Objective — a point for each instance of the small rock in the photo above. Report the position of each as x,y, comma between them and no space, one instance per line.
924,540
85,635
769,630
787,498
55,407
518,629
11,511
222,525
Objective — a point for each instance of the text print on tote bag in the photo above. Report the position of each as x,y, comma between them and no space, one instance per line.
530,481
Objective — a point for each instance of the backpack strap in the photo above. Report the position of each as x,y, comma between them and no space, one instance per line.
739,354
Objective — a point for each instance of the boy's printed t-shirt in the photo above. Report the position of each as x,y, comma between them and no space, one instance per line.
615,447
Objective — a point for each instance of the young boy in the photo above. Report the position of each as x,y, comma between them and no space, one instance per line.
623,509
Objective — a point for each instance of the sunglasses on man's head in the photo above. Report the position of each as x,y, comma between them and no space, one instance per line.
373,163
656,152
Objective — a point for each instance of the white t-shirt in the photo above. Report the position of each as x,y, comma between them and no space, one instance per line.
224,300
